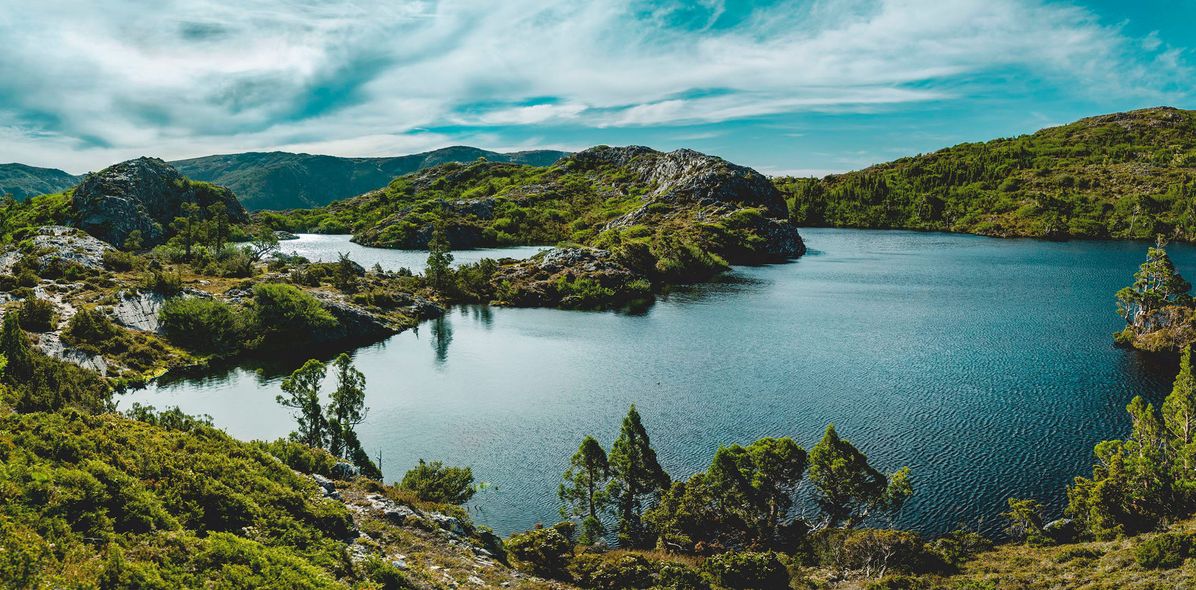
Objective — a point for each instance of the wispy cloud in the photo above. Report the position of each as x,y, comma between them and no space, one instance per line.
87,83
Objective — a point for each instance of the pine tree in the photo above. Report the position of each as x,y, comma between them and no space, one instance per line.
636,476
848,487
15,346
439,269
346,407
1157,284
303,389
1179,409
583,491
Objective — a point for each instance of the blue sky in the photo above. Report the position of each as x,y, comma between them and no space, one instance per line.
806,87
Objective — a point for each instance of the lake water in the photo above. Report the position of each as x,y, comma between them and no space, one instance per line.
326,248
985,365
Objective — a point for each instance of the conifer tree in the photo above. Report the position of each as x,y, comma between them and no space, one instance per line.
346,407
1179,409
636,476
1157,284
848,487
15,346
438,271
583,492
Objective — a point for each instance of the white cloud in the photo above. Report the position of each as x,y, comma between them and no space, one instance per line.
87,83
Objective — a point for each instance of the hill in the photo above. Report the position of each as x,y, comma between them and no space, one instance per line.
676,216
1123,175
281,180
23,181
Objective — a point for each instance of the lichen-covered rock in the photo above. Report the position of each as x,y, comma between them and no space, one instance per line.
582,278
138,310
143,195
52,243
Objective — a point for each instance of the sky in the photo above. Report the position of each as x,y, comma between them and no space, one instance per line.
786,86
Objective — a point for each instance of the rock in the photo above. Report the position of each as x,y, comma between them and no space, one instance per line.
1062,530
543,280
50,344
283,236
144,195
326,486
345,471
449,523
139,311
400,514
52,243
400,561
353,322
476,581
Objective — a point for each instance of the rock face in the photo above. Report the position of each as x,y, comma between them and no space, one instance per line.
139,311
143,195
56,242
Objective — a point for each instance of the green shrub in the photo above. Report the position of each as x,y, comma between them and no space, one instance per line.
91,328
956,547
206,325
748,570
284,316
677,576
1164,551
541,552
27,278
37,315
119,261
433,482
899,582
611,571
1078,553
162,283
299,457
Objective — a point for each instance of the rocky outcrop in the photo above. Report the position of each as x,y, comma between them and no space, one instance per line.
138,310
143,195
56,243
582,278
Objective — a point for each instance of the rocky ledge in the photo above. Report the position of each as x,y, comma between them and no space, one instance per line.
572,278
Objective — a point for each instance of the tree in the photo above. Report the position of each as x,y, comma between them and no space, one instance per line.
346,407
303,389
583,491
439,268
15,346
757,485
1025,519
185,226
134,241
848,487
345,277
1179,409
1157,284
636,476
219,225
263,242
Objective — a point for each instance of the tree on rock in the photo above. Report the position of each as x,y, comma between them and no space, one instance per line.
637,476
583,492
303,395
1157,285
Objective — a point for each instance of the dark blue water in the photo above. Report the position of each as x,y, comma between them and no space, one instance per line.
985,365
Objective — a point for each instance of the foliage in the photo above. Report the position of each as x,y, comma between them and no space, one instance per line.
848,487
612,571
1157,284
346,407
583,492
163,283
1025,521
283,315
748,570
37,315
1163,551
543,552
206,325
434,482
439,268
302,390
636,477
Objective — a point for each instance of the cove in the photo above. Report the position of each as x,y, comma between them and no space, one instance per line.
986,365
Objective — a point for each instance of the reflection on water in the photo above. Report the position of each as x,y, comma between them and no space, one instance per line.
985,365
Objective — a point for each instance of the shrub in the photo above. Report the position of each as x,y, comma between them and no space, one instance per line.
206,325
116,260
677,576
283,315
877,551
433,482
899,582
1164,551
299,457
170,418
748,570
956,547
37,315
162,283
541,552
611,571
91,327
27,278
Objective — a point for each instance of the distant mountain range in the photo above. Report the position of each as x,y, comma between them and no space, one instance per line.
23,181
281,180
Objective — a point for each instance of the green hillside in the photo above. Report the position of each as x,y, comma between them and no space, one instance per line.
281,180
1123,175
23,181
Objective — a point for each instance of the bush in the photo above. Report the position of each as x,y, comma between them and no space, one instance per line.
676,576
118,261
170,418
37,315
206,325
748,570
875,552
162,283
1164,551
956,547
284,316
299,457
91,328
611,571
541,552
433,482
899,582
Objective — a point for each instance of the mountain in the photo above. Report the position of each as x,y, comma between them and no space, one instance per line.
675,216
281,180
1122,175
23,181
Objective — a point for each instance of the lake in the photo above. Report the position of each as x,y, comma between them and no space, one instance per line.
986,365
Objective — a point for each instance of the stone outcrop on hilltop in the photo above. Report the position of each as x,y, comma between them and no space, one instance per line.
144,195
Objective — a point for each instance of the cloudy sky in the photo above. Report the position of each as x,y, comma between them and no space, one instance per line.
808,86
